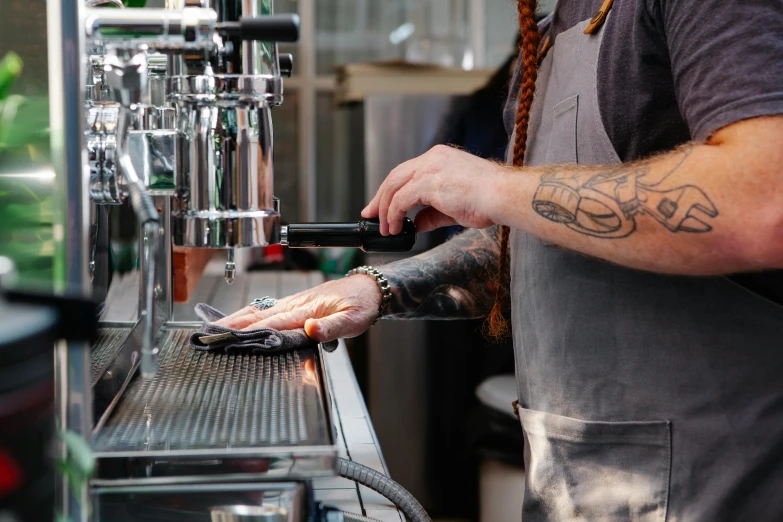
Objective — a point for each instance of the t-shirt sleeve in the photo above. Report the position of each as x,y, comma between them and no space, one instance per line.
726,59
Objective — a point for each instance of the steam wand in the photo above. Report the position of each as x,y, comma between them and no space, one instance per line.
129,79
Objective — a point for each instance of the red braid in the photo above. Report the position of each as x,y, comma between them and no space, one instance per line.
498,325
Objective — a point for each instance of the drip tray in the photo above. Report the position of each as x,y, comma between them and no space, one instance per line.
204,410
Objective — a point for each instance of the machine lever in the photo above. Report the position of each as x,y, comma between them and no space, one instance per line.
271,28
365,234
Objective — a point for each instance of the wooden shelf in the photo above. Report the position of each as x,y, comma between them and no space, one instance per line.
357,80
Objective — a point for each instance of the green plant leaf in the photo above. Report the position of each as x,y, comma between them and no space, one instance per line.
10,69
80,455
24,122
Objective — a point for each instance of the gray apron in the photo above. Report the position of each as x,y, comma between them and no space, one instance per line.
642,397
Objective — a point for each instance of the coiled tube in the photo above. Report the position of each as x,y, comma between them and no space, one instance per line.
382,484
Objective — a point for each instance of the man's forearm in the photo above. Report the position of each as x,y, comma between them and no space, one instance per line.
702,209
452,281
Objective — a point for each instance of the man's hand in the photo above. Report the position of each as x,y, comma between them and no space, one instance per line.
456,187
336,309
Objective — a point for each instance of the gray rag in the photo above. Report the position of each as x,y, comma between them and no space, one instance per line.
264,341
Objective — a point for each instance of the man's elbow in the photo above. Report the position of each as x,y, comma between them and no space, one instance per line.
759,244
751,155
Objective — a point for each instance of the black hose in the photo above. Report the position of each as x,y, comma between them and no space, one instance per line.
382,484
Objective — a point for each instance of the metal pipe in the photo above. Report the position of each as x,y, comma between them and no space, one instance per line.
66,50
164,290
129,79
149,352
110,23
147,214
140,200
231,267
193,27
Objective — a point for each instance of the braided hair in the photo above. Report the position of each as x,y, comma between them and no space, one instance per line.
498,327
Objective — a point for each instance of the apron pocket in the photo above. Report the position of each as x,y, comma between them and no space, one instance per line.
562,141
608,471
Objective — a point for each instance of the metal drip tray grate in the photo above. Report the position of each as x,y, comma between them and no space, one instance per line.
203,400
105,348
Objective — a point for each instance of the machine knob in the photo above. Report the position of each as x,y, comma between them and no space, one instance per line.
286,64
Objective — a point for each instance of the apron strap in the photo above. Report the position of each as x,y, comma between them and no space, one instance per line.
600,17
544,48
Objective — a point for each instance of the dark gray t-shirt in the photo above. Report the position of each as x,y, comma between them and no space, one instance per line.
671,71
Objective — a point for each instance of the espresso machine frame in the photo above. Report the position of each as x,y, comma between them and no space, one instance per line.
169,109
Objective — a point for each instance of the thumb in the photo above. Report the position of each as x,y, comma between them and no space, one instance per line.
429,218
335,326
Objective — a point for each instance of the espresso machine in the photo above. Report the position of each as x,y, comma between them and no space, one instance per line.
169,109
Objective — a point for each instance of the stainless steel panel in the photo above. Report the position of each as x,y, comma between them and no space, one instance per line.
199,502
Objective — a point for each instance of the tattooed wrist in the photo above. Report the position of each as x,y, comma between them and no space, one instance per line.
451,281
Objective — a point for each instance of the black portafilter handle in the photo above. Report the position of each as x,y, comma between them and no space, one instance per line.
270,28
365,234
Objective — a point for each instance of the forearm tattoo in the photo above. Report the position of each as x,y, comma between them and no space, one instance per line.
452,281
607,204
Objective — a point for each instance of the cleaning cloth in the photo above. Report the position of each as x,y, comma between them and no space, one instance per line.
264,341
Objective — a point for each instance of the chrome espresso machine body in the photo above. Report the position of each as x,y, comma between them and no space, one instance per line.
170,110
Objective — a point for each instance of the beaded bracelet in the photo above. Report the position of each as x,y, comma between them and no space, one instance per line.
383,285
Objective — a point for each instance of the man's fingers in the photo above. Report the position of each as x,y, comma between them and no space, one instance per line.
371,210
239,313
383,210
383,207
408,197
393,182
429,218
251,315
237,323
282,320
332,327
389,186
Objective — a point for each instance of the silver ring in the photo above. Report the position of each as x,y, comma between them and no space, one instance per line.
264,302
